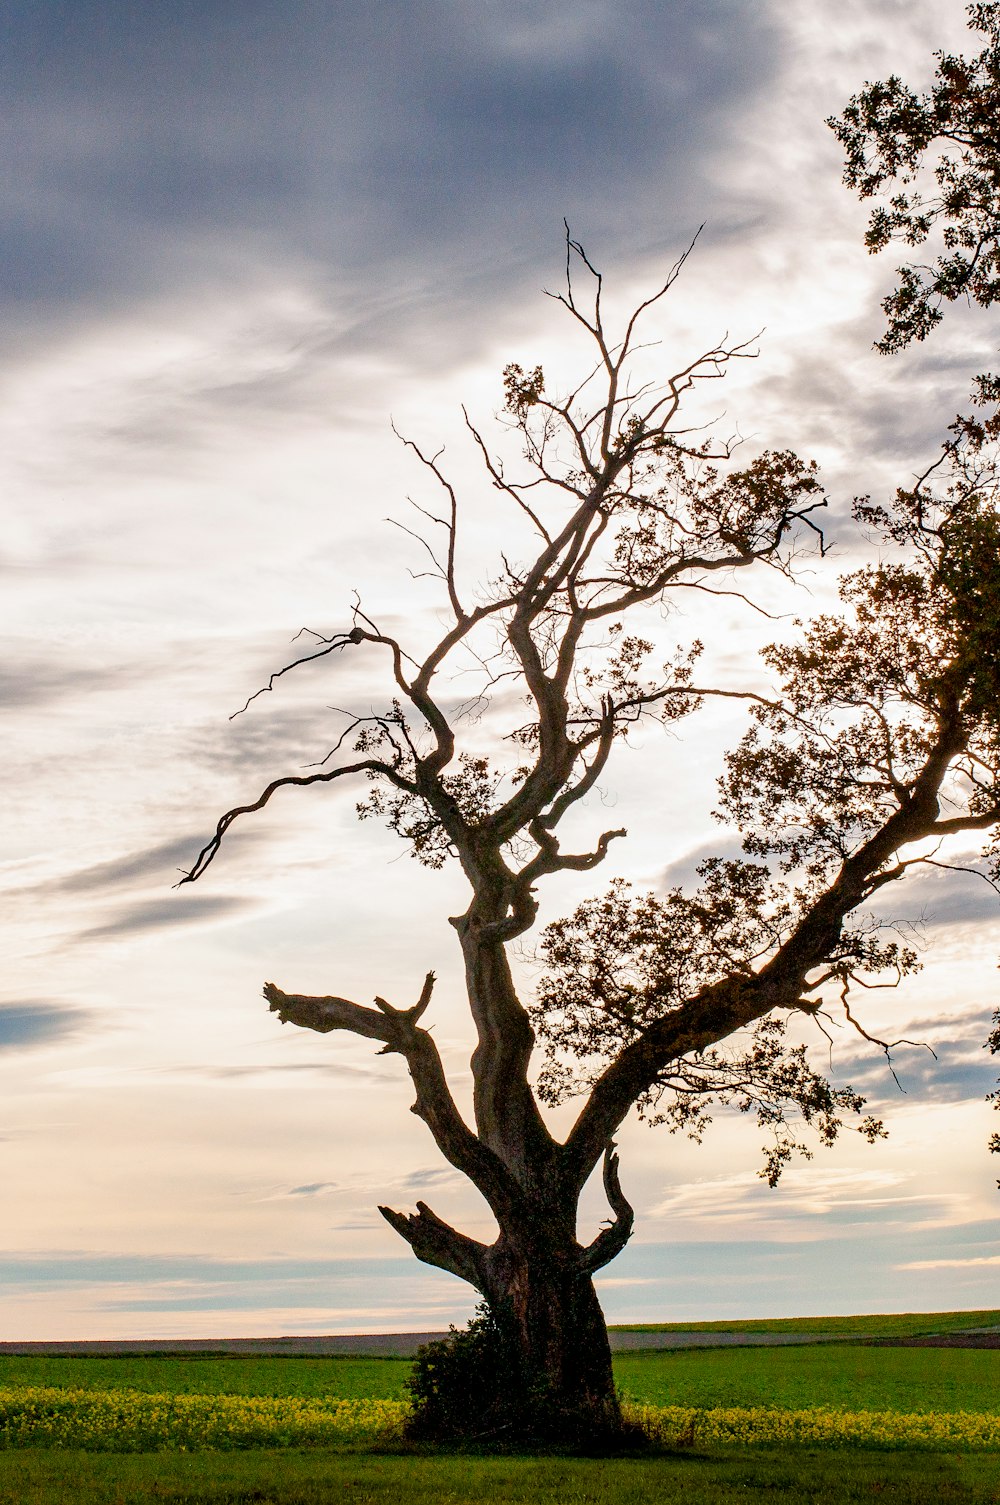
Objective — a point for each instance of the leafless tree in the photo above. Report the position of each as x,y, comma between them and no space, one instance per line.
879,742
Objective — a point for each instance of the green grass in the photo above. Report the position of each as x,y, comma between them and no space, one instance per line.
287,1478
351,1379
842,1376
877,1325
839,1375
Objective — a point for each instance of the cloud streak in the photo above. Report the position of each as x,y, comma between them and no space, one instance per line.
151,916
41,1021
950,1264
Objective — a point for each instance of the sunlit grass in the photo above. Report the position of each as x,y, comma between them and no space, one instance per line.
844,1376
259,1374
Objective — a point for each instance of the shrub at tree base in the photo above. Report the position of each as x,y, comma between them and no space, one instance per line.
468,1384
472,1387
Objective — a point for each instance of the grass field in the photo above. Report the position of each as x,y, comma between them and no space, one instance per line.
842,1378
877,1325
352,1379
273,1478
837,1375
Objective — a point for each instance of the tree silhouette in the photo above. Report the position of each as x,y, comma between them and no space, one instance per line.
889,132
879,743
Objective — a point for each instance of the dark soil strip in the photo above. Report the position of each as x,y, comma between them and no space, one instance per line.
940,1340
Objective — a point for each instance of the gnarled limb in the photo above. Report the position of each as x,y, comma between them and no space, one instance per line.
611,1240
740,999
290,781
399,1032
437,1243
508,1119
712,1016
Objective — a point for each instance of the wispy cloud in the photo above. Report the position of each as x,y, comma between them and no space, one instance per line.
950,1264
154,915
40,1021
162,862
38,682
622,1282
433,1176
338,1070
849,1196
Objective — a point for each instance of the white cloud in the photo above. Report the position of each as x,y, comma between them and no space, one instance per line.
950,1264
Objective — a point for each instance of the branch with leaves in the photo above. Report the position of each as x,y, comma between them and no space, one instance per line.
888,132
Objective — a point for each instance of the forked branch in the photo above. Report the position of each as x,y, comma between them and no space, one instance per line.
435,1242
400,1034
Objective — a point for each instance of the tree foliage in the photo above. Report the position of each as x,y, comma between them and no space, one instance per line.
888,131
891,705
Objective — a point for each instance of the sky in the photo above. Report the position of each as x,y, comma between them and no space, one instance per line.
241,241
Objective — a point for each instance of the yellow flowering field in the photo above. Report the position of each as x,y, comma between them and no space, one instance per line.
819,1426
137,1421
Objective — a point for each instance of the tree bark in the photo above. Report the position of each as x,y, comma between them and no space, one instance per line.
550,1378
540,1287
538,1282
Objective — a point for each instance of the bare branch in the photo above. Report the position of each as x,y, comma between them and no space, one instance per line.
435,1242
957,867
335,644
655,298
451,526
501,483
290,781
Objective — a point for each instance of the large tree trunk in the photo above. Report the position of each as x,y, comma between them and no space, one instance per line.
546,1297
536,1277
538,1283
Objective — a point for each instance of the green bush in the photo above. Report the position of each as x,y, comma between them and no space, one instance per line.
472,1388
469,1386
